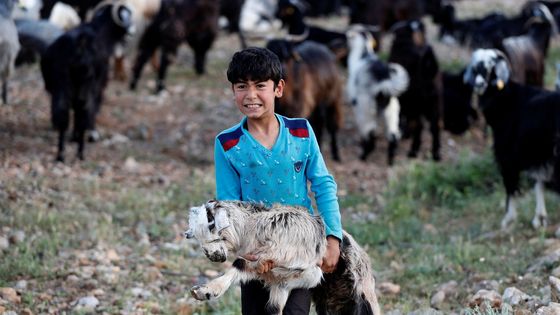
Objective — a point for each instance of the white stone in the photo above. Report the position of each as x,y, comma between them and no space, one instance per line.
513,296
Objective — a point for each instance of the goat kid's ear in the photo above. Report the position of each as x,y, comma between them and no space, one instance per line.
221,220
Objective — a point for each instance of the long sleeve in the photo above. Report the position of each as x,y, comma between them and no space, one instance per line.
324,187
227,178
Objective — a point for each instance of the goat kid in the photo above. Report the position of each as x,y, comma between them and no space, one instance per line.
373,87
295,241
525,124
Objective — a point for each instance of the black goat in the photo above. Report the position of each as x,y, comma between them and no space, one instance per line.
525,124
75,71
313,87
193,21
421,100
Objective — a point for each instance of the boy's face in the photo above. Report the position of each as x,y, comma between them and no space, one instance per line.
255,99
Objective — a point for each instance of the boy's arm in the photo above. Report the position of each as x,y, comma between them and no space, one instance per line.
227,179
324,187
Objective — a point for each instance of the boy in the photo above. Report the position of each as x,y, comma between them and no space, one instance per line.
270,158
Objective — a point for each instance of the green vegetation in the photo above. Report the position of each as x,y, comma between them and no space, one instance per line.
440,222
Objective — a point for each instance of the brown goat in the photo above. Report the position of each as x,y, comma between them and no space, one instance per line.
313,87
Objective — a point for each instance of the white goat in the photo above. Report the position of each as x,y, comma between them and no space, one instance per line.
373,87
9,45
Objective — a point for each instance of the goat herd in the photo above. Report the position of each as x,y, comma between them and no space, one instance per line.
505,74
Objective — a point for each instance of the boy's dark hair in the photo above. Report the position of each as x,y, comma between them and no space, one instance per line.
255,64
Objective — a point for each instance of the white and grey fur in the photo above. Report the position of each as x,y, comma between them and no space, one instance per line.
295,241
373,87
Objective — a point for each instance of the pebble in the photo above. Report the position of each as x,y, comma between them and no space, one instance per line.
87,303
388,288
10,295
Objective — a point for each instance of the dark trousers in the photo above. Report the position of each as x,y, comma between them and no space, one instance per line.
254,297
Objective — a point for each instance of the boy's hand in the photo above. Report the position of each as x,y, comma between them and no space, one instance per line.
263,266
328,265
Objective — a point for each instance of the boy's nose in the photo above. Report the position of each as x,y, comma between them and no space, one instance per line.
252,91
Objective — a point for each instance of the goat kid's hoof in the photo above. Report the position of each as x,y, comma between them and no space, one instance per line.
201,293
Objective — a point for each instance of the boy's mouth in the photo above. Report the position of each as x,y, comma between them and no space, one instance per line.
252,106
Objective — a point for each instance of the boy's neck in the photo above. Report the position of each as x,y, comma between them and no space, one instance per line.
264,130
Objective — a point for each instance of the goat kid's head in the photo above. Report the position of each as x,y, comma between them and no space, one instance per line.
488,68
205,225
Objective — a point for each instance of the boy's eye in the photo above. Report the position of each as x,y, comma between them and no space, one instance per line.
240,86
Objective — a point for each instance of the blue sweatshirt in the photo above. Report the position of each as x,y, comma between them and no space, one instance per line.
248,171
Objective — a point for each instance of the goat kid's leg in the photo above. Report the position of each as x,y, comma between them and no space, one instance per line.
277,301
540,219
511,214
216,287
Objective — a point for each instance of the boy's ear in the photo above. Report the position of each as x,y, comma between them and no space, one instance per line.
279,91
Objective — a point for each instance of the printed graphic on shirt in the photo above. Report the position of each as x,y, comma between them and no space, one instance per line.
297,166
